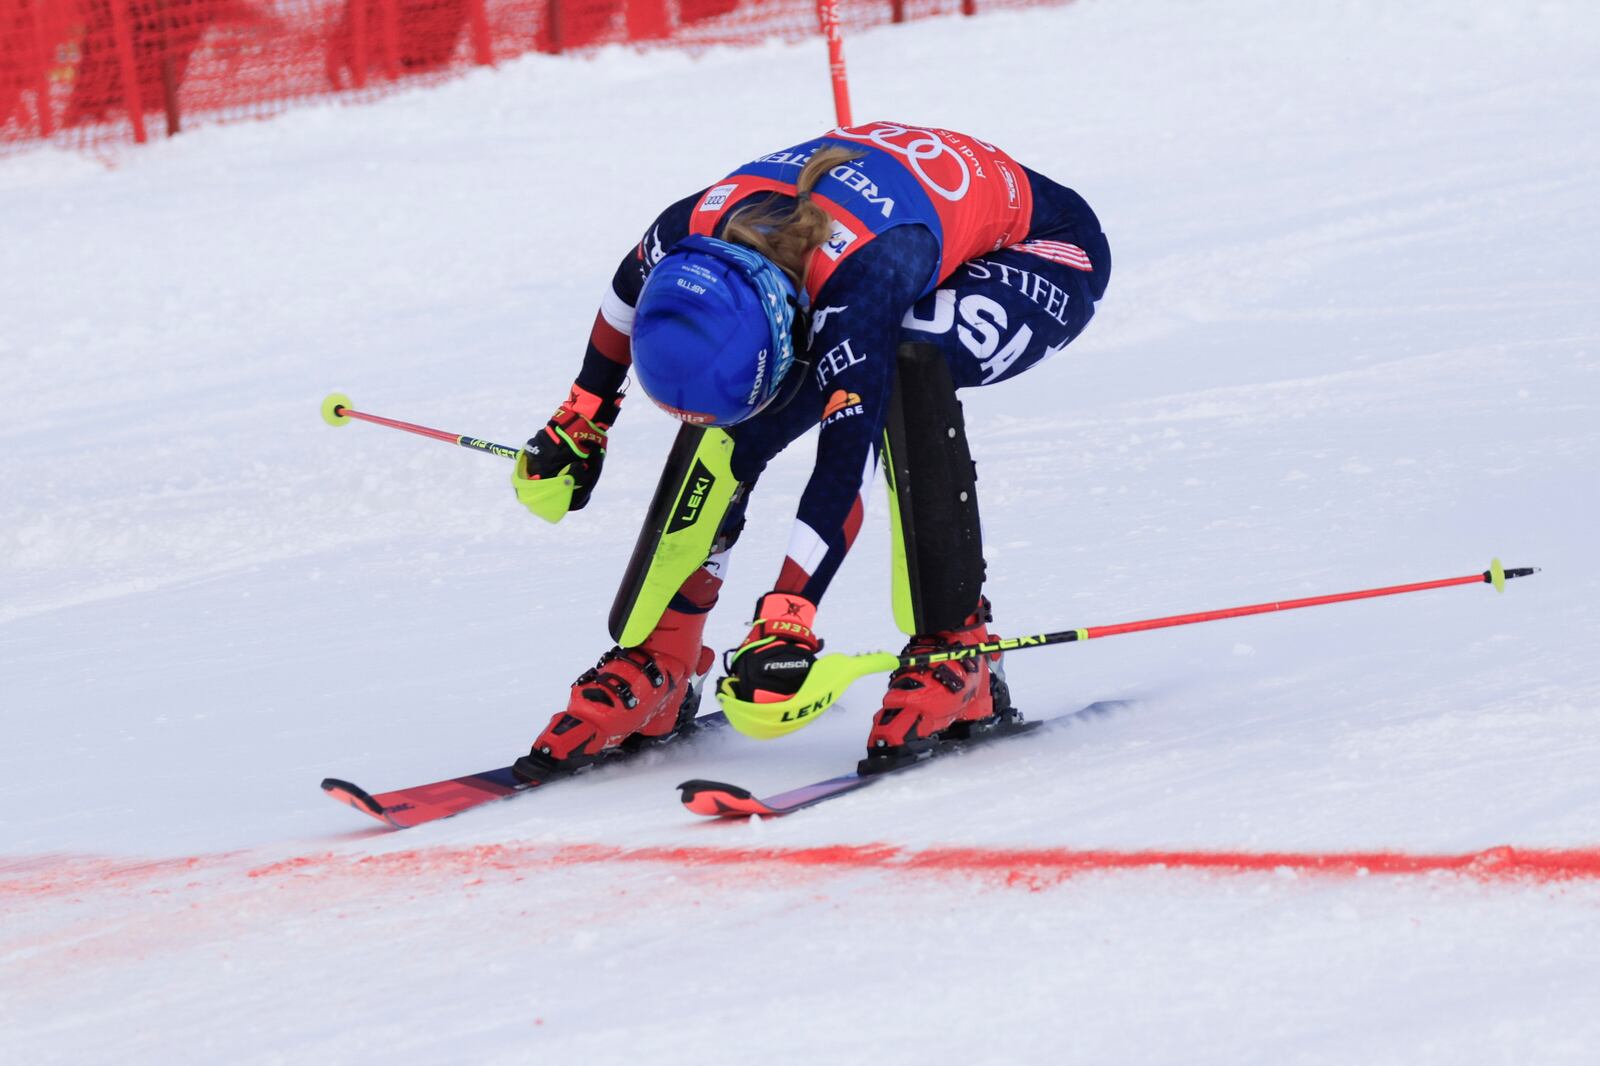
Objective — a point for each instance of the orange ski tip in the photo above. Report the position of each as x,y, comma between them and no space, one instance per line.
355,796
714,799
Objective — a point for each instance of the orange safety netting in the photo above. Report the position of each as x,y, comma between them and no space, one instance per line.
95,73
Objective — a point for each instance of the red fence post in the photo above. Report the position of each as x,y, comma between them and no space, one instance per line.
969,7
169,93
552,21
391,39
897,10
358,42
41,88
130,72
482,53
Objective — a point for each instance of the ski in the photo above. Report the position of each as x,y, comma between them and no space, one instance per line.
407,807
717,799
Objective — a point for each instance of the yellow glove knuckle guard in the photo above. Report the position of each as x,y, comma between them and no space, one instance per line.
550,498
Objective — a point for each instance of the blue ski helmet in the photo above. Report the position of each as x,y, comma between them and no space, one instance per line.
712,335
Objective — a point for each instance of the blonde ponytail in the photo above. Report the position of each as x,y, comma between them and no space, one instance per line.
788,237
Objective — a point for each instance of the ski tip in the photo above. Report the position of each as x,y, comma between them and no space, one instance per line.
355,796
333,408
714,799
340,789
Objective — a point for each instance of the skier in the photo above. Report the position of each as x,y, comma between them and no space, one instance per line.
856,280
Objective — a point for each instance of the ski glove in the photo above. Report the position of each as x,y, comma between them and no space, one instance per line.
560,464
778,652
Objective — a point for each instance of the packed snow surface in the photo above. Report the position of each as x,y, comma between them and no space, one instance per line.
1352,339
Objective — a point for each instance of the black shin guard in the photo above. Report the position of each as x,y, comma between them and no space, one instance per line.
933,497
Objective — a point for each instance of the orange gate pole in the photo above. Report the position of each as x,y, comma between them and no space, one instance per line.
828,20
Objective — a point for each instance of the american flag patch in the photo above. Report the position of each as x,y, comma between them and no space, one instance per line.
1058,252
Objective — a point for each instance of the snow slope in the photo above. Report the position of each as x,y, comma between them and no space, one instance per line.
1351,340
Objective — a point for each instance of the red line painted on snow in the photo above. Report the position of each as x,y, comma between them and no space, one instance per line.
79,874
1029,868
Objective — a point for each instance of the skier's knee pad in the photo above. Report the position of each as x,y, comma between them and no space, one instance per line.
938,567
697,511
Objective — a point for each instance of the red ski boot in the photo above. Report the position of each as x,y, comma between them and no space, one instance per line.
632,697
926,704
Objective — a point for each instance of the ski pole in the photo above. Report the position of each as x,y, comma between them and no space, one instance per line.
336,411
832,674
